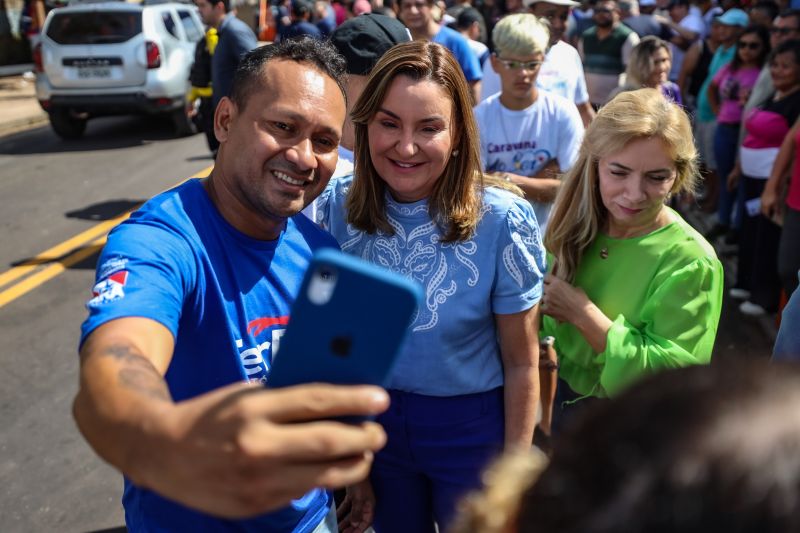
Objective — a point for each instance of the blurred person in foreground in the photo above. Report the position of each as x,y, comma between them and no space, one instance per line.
192,297
692,450
466,384
633,288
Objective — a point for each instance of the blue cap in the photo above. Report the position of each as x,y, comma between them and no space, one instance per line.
733,17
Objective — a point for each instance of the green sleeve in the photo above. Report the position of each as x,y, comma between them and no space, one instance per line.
679,323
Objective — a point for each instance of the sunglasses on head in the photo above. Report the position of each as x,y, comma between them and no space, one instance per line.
752,45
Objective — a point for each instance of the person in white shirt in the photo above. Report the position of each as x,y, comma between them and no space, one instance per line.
562,70
528,136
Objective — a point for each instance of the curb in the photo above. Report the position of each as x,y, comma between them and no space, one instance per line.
23,124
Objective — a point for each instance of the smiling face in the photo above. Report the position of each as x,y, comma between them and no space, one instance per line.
661,67
411,137
634,183
785,71
279,147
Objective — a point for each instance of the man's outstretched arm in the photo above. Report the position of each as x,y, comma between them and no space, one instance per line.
234,452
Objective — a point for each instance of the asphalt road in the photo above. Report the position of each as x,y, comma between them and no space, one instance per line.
50,192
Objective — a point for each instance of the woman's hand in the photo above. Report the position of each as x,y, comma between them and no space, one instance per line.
357,510
769,202
570,304
733,178
561,300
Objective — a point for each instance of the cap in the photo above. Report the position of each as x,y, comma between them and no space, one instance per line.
733,17
362,40
361,7
647,3
568,3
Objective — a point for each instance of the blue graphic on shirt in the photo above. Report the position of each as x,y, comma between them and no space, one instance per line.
524,162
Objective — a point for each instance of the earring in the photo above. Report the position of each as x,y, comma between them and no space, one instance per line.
455,153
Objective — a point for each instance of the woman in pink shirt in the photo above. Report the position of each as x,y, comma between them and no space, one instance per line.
727,94
757,279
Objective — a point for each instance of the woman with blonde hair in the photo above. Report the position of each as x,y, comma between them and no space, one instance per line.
649,66
466,383
633,288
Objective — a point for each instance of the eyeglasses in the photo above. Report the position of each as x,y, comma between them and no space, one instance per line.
602,10
519,65
783,31
752,45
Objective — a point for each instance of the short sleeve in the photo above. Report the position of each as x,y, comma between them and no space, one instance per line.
143,271
680,321
520,261
468,60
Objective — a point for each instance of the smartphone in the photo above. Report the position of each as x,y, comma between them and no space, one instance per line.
347,325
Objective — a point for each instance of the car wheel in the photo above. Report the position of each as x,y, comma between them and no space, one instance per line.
183,123
66,124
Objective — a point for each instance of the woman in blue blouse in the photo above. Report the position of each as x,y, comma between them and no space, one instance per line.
466,384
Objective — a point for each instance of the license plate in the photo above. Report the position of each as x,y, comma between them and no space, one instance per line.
94,72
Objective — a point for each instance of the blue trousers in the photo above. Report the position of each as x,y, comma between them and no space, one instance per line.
436,450
726,138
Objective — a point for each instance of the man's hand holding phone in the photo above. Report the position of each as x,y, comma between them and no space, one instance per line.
244,450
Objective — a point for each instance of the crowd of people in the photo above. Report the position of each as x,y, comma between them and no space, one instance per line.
530,185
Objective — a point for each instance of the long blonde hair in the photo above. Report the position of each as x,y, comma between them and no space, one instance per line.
455,200
579,212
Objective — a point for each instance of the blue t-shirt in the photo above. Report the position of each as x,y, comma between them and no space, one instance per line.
226,298
453,348
459,47
235,39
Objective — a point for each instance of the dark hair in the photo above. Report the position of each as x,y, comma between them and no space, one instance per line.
763,36
769,7
791,13
225,3
319,54
792,45
468,17
693,450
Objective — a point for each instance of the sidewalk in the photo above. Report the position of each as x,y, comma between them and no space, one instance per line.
19,109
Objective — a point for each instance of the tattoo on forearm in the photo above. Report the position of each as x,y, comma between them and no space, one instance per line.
137,372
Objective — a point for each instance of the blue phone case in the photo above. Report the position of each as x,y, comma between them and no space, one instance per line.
347,325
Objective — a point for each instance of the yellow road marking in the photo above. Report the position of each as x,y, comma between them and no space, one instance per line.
63,255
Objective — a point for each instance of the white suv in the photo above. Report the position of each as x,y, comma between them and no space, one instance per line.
116,58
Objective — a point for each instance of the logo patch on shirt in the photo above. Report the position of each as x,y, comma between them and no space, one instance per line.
110,289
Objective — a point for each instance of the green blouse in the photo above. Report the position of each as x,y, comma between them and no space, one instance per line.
663,292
